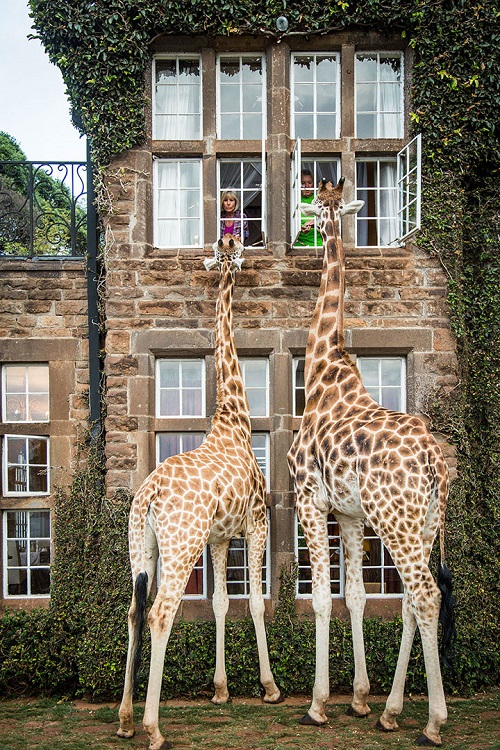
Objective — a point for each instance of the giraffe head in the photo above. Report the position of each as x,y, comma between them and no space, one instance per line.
330,196
229,249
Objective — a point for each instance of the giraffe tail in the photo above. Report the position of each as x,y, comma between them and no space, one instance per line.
140,595
444,581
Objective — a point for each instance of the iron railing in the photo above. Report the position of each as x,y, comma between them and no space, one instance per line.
43,209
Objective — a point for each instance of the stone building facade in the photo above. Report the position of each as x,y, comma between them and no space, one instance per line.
226,114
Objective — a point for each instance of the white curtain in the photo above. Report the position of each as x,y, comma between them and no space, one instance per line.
388,203
390,98
178,204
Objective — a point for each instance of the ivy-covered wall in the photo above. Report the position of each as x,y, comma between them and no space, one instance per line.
102,50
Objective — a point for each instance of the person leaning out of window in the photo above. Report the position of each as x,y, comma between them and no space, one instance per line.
232,218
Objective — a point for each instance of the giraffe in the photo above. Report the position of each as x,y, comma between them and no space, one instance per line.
207,495
361,462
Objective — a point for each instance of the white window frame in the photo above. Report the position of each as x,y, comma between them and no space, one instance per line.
156,192
243,361
28,395
240,191
379,111
179,135
377,191
380,386
338,113
25,467
410,188
263,460
266,566
240,112
158,389
295,388
29,566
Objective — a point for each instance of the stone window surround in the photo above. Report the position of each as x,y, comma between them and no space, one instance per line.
279,144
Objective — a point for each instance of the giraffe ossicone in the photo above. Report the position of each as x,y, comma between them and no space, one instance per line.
363,463
208,495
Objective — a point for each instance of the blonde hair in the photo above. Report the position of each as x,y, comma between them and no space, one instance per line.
229,194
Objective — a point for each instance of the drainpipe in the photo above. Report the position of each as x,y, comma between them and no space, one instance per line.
93,305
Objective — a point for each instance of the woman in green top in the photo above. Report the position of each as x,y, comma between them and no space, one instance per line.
307,234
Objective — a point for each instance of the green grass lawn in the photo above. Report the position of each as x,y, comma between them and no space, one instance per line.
473,724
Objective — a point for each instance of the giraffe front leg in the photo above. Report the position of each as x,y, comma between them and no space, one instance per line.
256,542
220,604
314,525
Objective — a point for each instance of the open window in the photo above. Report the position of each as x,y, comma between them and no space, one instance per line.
409,187
242,180
306,175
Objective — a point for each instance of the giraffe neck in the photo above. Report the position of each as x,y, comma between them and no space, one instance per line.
231,395
326,334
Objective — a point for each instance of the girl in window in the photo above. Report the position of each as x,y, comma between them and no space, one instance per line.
231,217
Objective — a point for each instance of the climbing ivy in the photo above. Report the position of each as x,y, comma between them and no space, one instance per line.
102,49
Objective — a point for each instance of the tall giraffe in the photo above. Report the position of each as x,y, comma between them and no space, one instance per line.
364,463
210,494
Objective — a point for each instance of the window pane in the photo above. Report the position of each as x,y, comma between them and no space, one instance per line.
304,98
255,373
169,374
390,371
191,402
230,70
170,403
252,70
16,379
303,68
366,68
252,127
326,126
369,370
390,68
326,69
37,451
252,98
37,479
192,373
230,127
40,582
366,97
366,126
391,399
166,71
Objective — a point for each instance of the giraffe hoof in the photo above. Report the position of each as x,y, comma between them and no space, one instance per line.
125,734
423,740
350,711
308,721
274,702
383,728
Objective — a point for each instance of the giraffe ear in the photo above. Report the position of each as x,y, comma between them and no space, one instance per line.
352,208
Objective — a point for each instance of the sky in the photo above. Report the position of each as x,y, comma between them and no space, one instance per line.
34,108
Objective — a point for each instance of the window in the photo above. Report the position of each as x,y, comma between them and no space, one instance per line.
25,393
298,384
241,97
376,185
409,181
177,98
304,579
26,544
384,378
172,443
306,188
243,180
255,372
379,95
260,446
380,575
180,388
315,96
238,582
178,203
25,465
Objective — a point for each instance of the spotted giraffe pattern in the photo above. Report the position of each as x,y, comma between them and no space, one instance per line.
364,463
207,495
